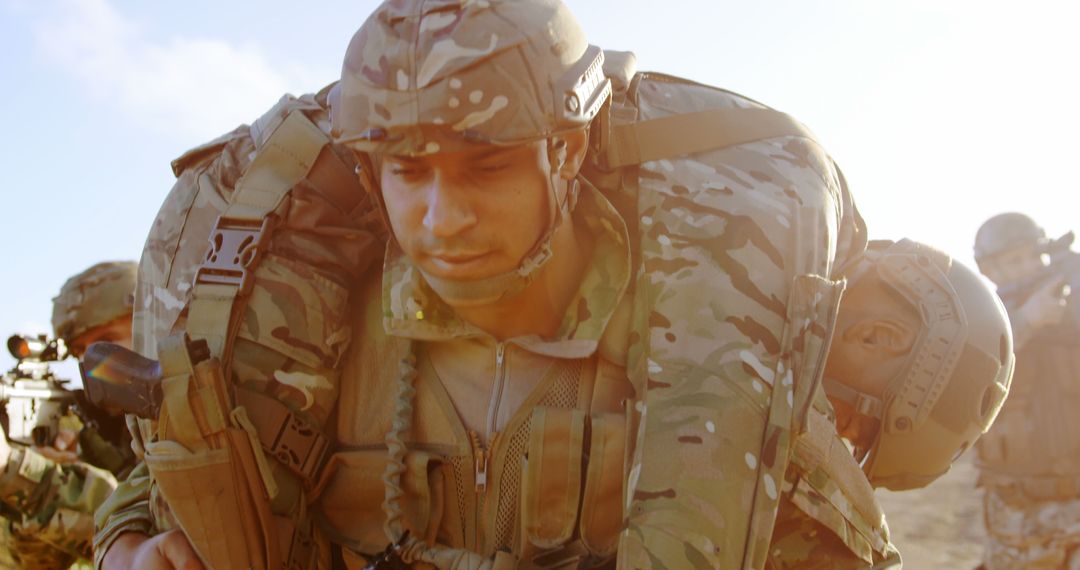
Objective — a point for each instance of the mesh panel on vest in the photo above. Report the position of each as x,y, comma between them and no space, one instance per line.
462,470
563,393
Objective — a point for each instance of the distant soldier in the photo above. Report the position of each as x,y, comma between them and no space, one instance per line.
1030,461
51,493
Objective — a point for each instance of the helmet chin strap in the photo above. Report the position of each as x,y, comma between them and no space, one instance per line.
503,286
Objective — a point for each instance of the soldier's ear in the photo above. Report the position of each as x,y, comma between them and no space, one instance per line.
577,144
883,337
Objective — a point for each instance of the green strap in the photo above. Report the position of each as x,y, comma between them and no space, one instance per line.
690,133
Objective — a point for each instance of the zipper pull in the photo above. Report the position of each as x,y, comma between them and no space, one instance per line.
480,456
481,471
500,354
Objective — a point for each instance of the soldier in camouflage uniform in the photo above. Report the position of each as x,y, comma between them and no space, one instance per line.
1029,462
50,494
538,304
912,322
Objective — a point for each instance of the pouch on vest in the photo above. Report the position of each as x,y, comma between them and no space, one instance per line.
559,498
206,466
599,527
351,493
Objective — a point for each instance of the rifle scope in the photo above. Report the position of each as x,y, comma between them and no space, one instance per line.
35,348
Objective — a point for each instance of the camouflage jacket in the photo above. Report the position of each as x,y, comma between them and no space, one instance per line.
51,507
713,442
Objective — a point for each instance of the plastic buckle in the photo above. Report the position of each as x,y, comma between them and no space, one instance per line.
300,446
235,248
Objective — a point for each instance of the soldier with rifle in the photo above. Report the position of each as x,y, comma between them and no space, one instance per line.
1029,462
62,455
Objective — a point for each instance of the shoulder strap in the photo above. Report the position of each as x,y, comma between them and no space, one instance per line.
689,133
243,230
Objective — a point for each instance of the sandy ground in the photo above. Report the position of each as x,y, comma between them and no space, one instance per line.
938,527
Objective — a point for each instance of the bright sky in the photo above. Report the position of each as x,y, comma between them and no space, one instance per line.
941,112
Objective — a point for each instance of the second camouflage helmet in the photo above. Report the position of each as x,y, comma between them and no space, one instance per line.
95,297
424,76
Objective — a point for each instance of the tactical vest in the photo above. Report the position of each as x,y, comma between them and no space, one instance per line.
720,193
527,492
1034,444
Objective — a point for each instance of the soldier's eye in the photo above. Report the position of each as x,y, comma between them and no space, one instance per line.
406,171
493,167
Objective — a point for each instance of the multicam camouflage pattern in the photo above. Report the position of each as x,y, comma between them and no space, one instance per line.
833,503
741,223
95,297
1029,534
800,542
293,331
53,507
410,83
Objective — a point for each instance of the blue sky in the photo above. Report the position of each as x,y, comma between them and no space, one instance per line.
941,112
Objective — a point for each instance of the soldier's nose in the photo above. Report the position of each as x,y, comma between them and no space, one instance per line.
449,209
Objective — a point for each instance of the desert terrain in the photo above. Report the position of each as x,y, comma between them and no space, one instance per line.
938,527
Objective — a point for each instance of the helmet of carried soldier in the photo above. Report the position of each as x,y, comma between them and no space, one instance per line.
956,375
1004,232
421,77
101,294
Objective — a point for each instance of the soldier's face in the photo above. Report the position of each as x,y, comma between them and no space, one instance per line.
468,214
875,332
1012,266
117,331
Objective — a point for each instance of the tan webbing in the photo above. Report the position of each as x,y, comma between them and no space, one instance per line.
220,289
689,133
283,162
820,447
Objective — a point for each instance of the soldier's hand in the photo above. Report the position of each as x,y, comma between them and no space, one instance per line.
167,551
1047,306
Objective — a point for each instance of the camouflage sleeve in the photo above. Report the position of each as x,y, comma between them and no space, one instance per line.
851,231
801,542
55,503
126,510
29,552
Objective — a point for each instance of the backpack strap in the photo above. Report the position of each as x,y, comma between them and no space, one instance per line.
690,133
243,230
220,291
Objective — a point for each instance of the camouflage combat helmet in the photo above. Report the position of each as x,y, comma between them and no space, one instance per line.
1004,232
428,76
95,297
954,380
424,76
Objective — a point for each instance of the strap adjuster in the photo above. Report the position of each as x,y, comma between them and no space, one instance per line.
235,247
295,442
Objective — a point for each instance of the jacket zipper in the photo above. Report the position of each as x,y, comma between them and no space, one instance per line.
482,453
